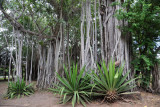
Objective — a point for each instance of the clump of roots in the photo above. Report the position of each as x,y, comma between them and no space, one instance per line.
111,96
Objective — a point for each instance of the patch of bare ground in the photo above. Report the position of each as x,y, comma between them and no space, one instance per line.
46,99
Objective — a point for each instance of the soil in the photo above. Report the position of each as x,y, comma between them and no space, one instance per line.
47,99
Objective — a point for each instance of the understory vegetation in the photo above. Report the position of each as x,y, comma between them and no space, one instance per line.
73,86
110,82
19,89
78,87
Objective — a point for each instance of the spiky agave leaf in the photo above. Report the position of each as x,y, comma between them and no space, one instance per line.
110,82
18,89
74,87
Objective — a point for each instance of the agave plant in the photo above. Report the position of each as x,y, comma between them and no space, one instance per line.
18,89
110,82
73,87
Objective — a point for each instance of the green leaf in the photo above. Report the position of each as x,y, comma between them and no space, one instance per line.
74,99
73,86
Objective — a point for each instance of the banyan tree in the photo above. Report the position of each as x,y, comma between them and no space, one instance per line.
47,34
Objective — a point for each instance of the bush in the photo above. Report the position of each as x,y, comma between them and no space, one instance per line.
74,87
18,89
112,83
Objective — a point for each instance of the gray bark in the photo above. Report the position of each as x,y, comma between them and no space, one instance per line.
27,63
95,13
68,55
88,53
18,62
116,45
82,36
46,66
30,75
155,79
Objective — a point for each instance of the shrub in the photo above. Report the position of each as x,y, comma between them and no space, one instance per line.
111,83
74,87
18,89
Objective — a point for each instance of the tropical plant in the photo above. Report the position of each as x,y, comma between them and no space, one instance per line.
143,24
73,87
111,83
18,89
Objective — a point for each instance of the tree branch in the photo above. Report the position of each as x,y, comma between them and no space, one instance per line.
20,27
20,14
17,25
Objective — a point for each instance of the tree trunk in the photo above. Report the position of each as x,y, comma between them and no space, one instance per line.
116,45
30,75
18,62
68,55
27,63
155,78
88,50
46,66
95,33
82,36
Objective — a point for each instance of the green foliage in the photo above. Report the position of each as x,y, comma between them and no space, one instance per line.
74,87
146,63
111,81
3,71
18,89
143,24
